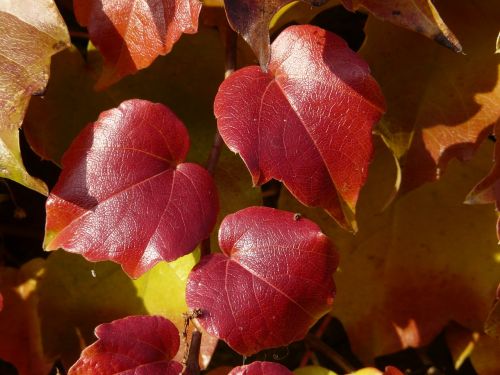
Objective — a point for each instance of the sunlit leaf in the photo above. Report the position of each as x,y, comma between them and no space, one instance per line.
31,31
308,121
131,34
126,195
270,285
132,345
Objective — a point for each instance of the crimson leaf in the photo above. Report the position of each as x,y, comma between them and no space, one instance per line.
138,345
270,285
125,195
130,34
261,368
308,122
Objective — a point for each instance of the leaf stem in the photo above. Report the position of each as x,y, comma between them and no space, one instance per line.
230,38
317,344
192,363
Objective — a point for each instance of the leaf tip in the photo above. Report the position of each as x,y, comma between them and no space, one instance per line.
449,41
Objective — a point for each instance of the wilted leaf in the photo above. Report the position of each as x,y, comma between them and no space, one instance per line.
417,15
31,31
441,105
20,341
307,122
132,34
251,19
270,285
126,164
261,368
413,267
132,345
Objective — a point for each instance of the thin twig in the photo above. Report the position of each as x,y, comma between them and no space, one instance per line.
213,157
316,343
325,322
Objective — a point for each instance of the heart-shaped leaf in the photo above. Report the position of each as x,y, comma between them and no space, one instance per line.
125,195
261,368
131,34
31,31
270,285
133,345
308,122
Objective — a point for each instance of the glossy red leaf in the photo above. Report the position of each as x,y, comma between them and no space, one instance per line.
138,345
131,34
251,19
308,121
125,195
270,285
261,368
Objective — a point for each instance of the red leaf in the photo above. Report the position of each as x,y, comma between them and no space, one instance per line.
251,19
270,285
261,368
308,122
133,345
131,34
124,194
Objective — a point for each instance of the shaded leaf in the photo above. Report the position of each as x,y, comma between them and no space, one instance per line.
440,105
313,370
133,345
251,19
31,32
270,285
97,210
307,122
261,368
20,340
132,34
424,252
417,15
492,325
96,293
485,356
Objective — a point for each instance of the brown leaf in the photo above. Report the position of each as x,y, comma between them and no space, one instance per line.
31,32
441,105
417,15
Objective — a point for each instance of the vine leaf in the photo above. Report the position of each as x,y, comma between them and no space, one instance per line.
261,368
492,325
125,195
270,285
451,105
308,121
135,344
31,32
251,19
420,16
131,34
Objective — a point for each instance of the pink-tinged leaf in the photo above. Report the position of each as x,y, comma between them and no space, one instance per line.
261,368
125,195
270,285
308,121
136,345
251,19
131,34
